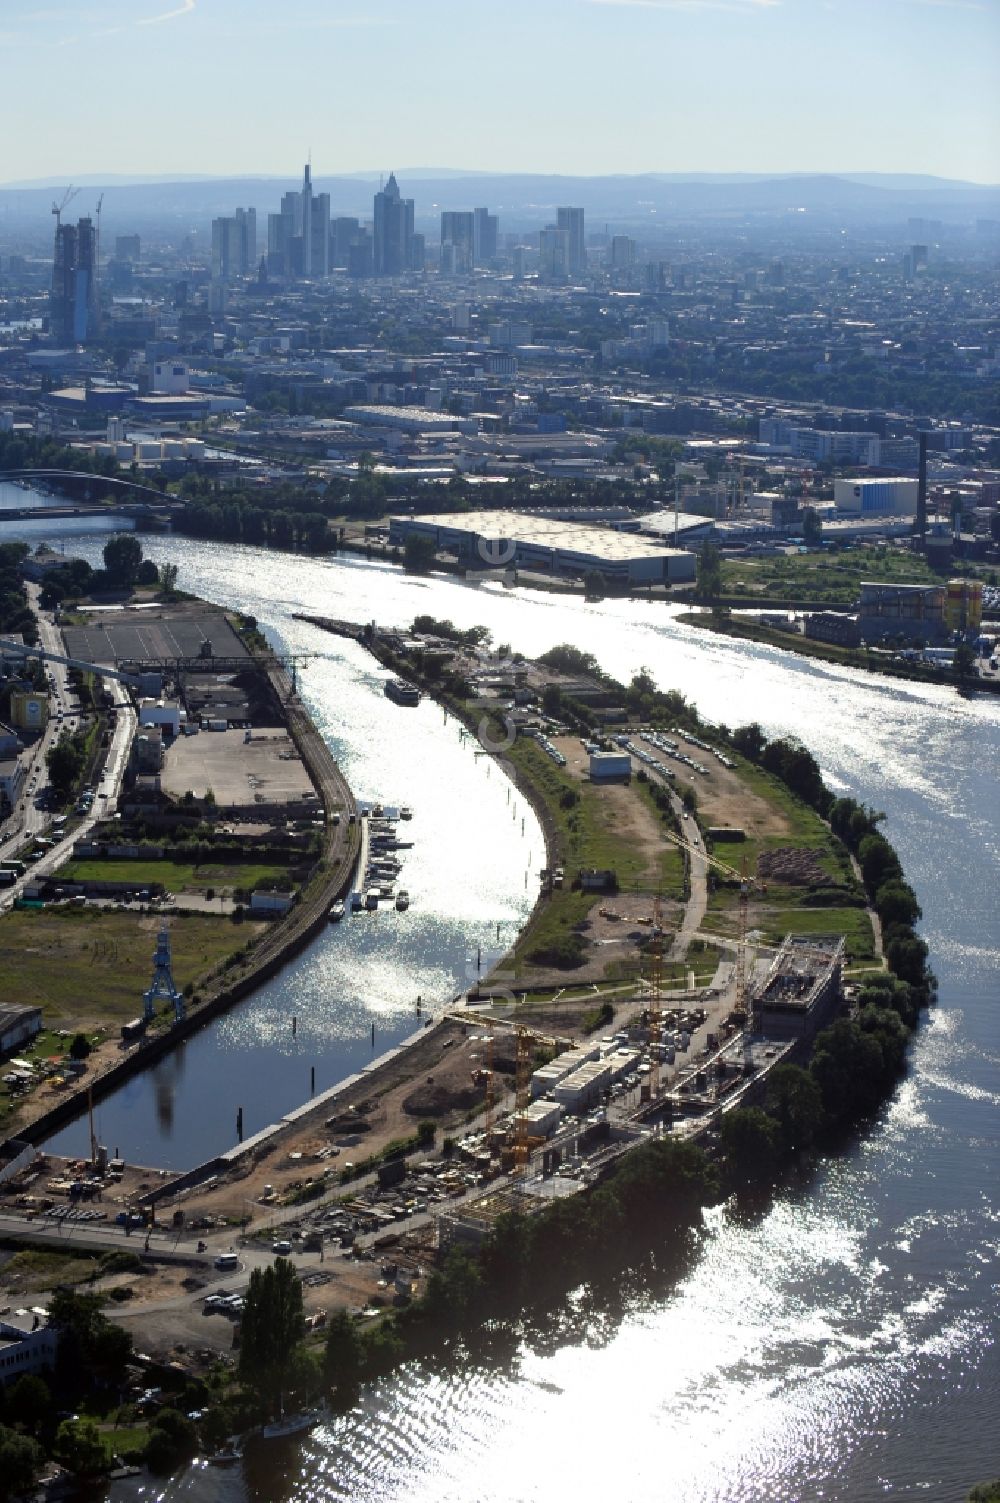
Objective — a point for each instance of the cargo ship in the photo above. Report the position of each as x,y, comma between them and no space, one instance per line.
402,693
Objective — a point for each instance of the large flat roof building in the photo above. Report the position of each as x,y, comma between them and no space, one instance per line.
509,539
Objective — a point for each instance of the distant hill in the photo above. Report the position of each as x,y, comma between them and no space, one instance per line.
526,200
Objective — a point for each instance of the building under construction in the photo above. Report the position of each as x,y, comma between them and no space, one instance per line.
73,307
802,989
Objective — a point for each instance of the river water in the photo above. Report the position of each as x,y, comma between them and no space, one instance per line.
842,1345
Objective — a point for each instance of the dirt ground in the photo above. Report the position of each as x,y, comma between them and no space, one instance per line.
724,799
633,819
436,1073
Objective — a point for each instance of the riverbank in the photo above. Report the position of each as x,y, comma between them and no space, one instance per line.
746,629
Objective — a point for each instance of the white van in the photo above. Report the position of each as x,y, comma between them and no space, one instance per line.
227,1260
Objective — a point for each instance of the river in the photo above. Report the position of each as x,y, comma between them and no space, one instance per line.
843,1345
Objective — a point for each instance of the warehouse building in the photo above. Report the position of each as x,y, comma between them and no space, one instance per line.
508,539
895,497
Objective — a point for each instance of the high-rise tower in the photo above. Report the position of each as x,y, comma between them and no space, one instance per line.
393,230
73,303
570,221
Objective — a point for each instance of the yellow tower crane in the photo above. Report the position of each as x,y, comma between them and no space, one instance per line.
525,1040
747,881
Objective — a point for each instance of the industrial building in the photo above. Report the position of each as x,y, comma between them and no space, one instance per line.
919,612
802,989
610,767
18,1026
508,539
896,497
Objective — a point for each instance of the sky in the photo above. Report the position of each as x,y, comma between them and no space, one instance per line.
569,86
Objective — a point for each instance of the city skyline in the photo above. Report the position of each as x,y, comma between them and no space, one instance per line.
586,87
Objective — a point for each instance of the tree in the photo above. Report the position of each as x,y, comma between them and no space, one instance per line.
342,1355
812,527
147,573
29,1403
168,578
91,1347
172,1441
750,1142
896,903
80,1047
418,553
750,741
794,1100
78,1445
64,761
20,1462
273,1326
122,557
708,577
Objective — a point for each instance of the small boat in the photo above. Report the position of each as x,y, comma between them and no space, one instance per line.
229,1454
337,911
371,898
288,1425
402,900
405,812
357,902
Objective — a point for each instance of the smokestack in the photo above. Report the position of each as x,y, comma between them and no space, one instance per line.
920,520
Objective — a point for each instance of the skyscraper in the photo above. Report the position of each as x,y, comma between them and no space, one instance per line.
393,230
553,253
458,231
73,304
234,245
305,220
486,229
571,222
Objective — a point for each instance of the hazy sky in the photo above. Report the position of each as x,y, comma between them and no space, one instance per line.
574,86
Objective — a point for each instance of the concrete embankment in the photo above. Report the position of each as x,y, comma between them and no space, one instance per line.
290,934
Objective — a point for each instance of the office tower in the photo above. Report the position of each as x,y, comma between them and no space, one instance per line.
553,252
73,304
127,248
344,233
570,221
234,245
280,228
393,230
319,253
361,255
305,219
622,252
246,219
458,231
484,238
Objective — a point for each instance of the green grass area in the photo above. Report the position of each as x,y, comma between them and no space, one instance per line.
588,838
852,923
805,831
33,1269
126,1441
824,577
89,966
176,876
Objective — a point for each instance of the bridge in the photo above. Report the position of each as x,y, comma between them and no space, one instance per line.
156,498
